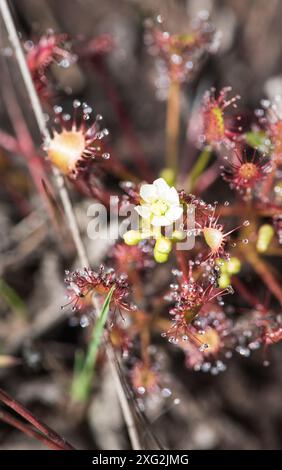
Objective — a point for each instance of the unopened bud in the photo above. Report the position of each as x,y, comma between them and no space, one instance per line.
224,281
265,235
222,264
163,245
168,174
132,237
233,266
178,235
160,257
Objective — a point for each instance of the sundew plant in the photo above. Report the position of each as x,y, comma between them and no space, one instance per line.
191,274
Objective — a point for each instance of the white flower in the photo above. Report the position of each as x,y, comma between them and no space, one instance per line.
160,203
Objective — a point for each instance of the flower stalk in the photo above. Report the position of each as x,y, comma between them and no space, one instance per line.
200,165
173,125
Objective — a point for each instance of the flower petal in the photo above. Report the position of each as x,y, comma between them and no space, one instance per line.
165,192
143,211
161,187
173,197
160,221
174,213
148,192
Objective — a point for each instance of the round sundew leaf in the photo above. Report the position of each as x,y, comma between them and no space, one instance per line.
213,237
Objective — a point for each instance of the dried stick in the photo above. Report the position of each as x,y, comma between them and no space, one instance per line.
28,416
39,115
25,428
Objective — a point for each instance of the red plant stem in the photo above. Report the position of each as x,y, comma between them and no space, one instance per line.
9,419
173,126
270,177
265,210
26,145
20,202
123,118
263,270
88,189
25,142
9,143
145,343
182,263
244,292
135,281
119,169
28,416
207,178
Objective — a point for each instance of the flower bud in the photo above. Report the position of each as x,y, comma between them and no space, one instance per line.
222,264
132,237
160,257
168,174
163,245
224,280
233,266
178,235
265,235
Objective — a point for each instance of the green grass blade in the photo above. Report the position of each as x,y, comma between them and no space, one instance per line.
11,298
84,371
200,165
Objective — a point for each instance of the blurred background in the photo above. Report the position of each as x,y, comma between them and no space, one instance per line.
240,408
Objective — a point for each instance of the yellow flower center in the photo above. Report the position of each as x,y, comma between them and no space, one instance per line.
65,149
248,171
159,208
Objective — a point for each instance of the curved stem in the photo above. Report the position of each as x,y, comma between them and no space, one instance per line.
263,270
244,292
172,125
198,168
124,119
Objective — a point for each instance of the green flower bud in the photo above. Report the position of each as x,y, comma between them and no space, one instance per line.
160,257
265,235
168,174
178,235
233,266
222,264
132,237
224,281
163,245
